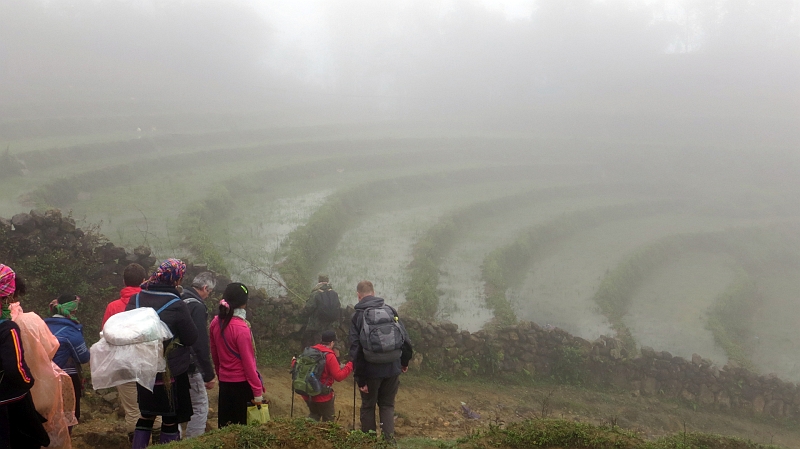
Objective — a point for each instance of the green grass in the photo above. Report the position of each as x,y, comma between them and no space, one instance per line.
542,433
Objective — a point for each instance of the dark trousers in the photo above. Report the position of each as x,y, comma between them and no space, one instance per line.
382,391
21,426
234,398
77,385
321,411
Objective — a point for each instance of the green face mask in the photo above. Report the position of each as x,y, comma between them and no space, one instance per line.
6,312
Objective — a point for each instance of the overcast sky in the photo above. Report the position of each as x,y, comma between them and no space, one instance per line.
401,57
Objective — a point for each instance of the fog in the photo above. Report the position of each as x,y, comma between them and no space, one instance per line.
501,62
558,142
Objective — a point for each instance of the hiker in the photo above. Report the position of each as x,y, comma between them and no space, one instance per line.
233,352
174,406
380,350
323,310
72,350
20,423
133,276
321,406
201,371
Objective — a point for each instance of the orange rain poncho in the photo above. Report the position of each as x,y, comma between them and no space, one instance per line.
52,392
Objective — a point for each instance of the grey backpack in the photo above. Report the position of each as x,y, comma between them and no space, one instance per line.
382,336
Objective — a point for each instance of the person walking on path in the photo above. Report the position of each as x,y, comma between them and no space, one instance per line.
72,351
323,310
201,371
380,350
20,424
170,397
321,407
234,355
133,276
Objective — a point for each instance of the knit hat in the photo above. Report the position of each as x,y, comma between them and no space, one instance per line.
328,336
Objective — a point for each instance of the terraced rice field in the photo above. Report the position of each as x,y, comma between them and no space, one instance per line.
388,195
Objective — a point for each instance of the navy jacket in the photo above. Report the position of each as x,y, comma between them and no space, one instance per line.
363,370
200,350
176,317
72,350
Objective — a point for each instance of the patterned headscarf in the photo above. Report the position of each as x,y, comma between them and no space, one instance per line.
170,272
8,281
8,285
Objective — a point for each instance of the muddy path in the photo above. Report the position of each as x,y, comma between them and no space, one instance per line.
431,408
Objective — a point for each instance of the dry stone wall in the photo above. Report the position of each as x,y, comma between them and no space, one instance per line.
524,349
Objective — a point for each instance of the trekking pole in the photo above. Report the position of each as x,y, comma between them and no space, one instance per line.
291,389
354,403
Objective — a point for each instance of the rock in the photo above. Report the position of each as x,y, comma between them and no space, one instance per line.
67,225
758,404
706,397
39,218
697,360
142,251
648,352
649,386
685,394
723,400
23,223
110,397
53,218
416,361
5,224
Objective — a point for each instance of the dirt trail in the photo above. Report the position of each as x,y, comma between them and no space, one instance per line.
430,408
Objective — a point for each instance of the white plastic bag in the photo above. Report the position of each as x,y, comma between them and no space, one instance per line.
135,326
114,365
130,349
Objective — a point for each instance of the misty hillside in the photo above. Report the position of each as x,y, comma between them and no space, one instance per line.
618,167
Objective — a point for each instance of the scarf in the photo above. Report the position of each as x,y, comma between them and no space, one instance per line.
8,281
6,312
241,313
65,309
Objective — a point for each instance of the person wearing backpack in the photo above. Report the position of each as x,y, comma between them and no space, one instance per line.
380,350
20,424
170,397
234,354
323,310
72,350
201,371
133,276
319,362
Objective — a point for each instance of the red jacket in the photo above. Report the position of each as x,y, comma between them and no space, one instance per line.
115,307
331,373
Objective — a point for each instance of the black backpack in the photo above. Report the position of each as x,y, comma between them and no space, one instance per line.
382,336
307,371
328,306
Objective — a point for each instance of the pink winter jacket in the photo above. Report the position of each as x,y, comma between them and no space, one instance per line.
229,367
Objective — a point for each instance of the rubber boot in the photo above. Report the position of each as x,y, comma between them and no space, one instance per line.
169,437
141,439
